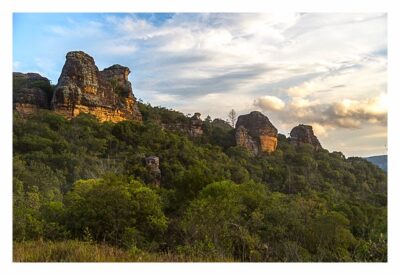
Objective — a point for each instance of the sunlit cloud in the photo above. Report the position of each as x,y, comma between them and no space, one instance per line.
344,114
270,103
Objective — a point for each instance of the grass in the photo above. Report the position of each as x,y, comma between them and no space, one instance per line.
78,251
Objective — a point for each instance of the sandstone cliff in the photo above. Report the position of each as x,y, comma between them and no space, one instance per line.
304,134
255,132
83,88
31,92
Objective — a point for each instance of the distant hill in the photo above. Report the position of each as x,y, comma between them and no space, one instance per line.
380,161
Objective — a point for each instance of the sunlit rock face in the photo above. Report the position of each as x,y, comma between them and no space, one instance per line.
31,92
255,132
83,88
244,139
304,134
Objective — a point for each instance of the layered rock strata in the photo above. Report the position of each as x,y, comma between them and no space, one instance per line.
31,92
82,88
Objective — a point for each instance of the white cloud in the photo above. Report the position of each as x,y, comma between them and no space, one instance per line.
16,65
160,99
302,90
321,130
345,113
270,103
368,109
325,69
117,48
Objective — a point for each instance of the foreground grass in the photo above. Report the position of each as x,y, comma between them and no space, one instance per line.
77,251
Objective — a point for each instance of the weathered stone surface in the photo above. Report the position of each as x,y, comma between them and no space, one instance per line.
117,75
31,92
268,143
153,166
304,134
255,132
196,125
244,139
106,94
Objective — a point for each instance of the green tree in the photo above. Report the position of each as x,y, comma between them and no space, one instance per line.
220,220
113,208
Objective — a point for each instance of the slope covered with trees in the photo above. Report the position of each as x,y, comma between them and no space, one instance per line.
82,183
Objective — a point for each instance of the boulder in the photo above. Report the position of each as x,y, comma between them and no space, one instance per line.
31,92
304,134
255,132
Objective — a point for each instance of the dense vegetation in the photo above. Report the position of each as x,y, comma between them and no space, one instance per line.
82,192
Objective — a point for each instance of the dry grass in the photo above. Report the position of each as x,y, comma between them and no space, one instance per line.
66,251
76,251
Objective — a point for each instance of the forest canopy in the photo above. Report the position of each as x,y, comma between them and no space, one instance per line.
86,181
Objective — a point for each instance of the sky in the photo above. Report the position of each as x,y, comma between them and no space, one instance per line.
328,70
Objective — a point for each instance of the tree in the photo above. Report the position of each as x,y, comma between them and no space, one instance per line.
232,117
223,219
115,209
216,200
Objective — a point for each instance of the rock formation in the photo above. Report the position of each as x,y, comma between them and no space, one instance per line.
83,88
255,132
31,92
244,139
304,134
153,166
196,125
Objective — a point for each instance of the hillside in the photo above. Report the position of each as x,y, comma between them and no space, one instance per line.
380,161
99,176
84,180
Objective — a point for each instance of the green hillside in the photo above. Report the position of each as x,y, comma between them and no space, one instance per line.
82,186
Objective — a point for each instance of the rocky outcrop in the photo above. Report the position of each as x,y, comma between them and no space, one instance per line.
195,125
153,166
83,88
31,92
255,132
304,134
244,139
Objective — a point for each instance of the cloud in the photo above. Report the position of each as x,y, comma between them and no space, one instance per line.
160,99
302,90
373,110
270,103
321,130
75,29
16,65
324,69
117,48
346,113
193,54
